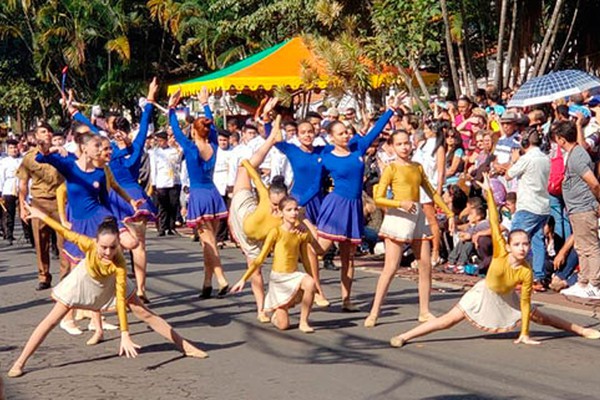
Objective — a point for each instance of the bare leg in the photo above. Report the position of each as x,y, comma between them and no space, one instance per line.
257,284
446,321
99,332
37,337
320,298
421,248
281,319
128,239
308,286
542,318
140,262
393,255
163,328
429,211
212,261
347,273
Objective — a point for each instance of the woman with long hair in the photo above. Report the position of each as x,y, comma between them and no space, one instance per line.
404,222
98,282
493,304
431,154
205,205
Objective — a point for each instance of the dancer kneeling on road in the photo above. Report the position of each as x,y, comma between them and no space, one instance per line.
492,304
97,283
287,285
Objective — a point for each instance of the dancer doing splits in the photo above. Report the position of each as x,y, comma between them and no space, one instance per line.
205,205
492,304
405,222
98,282
287,285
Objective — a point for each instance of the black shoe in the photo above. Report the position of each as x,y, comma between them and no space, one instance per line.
329,265
10,242
206,292
223,292
161,233
144,299
196,239
43,286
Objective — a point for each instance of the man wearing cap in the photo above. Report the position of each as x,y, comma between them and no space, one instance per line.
507,148
44,182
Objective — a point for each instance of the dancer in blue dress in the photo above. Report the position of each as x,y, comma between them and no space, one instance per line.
126,171
341,213
205,205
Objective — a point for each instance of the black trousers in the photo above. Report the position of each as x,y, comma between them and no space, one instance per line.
223,232
10,202
168,206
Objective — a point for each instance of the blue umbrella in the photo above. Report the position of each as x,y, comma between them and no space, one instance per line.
553,86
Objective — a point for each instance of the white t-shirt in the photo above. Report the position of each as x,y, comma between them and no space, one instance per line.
533,170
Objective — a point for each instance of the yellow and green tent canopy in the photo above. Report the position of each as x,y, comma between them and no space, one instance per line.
280,65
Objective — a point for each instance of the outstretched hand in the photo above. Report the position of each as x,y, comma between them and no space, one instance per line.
485,185
136,204
174,99
128,347
33,212
152,90
238,287
203,95
525,339
270,106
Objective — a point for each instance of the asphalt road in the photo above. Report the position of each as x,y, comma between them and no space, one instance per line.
248,360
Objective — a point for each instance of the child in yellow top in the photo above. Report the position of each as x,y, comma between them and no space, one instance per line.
93,284
286,283
492,304
405,222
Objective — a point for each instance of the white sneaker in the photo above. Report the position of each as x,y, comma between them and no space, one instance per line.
107,326
577,290
71,330
594,291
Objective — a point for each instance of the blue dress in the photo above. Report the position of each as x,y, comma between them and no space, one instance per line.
204,203
341,215
307,169
88,198
126,171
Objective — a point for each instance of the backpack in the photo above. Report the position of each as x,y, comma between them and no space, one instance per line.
557,174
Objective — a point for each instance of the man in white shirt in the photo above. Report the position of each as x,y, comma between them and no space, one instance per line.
533,200
220,176
165,167
250,142
9,187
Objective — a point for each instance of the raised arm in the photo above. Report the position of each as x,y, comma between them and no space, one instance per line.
79,117
497,239
185,143
64,165
137,147
365,142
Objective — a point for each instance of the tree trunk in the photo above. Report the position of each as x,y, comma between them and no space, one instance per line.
463,68
541,53
563,50
511,43
415,67
408,81
549,49
499,48
449,48
471,75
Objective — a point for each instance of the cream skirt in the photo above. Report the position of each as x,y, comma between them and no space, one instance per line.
404,227
80,290
490,311
284,290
